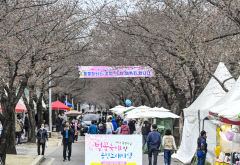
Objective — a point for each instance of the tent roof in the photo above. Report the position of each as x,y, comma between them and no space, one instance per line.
116,108
19,108
153,114
57,105
232,96
211,94
138,109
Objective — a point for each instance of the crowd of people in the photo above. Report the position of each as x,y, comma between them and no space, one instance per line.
149,133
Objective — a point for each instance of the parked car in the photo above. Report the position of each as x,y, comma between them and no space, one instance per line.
85,122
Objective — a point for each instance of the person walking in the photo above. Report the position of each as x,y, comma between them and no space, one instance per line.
146,128
42,138
125,130
168,144
59,125
109,126
76,128
114,126
68,135
153,142
93,128
202,148
19,128
26,125
132,127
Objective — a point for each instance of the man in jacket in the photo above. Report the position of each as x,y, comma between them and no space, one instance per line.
202,148
146,128
153,142
93,128
42,137
59,125
68,135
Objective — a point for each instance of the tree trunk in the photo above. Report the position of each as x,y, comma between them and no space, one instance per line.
32,125
8,141
39,112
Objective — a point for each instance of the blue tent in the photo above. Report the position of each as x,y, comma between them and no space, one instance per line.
68,104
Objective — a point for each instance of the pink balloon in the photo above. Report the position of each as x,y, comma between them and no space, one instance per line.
229,135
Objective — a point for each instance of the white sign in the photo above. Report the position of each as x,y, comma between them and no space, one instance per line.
113,149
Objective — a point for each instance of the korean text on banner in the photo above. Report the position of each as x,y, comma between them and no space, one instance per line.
115,71
113,150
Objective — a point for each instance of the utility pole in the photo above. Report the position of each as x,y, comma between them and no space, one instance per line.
50,99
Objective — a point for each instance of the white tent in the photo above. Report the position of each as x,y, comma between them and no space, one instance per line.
228,101
209,96
152,114
118,109
231,111
137,109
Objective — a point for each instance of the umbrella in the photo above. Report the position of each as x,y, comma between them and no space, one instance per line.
73,113
57,105
19,108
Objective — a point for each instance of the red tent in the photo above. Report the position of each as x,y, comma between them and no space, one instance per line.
57,105
19,108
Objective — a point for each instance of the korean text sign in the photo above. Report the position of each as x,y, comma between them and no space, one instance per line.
115,71
113,150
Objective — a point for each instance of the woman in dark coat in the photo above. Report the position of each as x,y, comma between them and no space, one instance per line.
59,126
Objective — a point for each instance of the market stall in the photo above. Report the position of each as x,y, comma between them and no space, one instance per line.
195,114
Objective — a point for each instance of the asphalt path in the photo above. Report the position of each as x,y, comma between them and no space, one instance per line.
78,156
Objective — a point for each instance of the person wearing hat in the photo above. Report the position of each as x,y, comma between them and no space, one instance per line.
202,148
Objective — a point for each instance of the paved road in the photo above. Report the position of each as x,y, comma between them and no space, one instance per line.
79,154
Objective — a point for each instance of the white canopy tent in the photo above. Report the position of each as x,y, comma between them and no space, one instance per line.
209,96
228,106
230,111
136,110
118,109
152,114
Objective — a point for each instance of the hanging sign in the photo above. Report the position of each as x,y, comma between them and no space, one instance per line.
115,71
113,150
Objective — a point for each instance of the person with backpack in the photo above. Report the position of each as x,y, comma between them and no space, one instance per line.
42,138
168,144
153,142
68,135
125,130
202,148
19,129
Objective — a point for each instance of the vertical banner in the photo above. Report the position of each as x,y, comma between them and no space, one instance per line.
115,71
113,149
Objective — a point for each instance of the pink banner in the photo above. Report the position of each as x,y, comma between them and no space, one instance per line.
115,71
